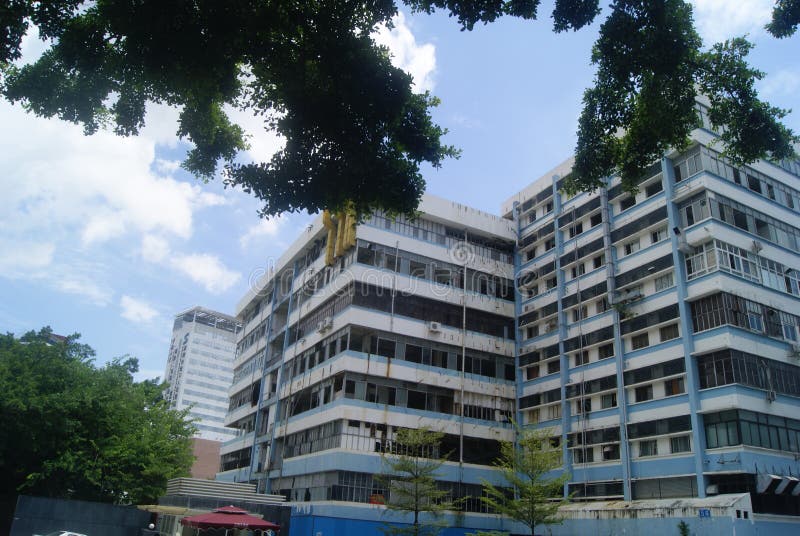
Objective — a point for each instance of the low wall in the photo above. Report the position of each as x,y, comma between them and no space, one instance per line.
40,515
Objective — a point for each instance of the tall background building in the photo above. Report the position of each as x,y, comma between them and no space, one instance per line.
199,372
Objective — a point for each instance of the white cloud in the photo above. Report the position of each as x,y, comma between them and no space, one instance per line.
17,258
783,83
166,167
154,248
264,228
161,124
419,60
86,191
136,310
207,270
717,20
263,143
82,285
100,186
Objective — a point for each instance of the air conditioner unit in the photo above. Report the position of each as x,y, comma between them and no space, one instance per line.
756,247
325,324
434,327
683,245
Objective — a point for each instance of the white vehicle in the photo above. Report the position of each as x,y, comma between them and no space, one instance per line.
61,533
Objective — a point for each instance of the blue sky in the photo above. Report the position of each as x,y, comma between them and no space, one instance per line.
108,237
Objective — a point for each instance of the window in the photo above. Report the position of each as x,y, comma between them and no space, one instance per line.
609,401
644,393
533,291
548,207
674,386
578,270
665,281
583,406
533,416
550,283
580,313
417,269
754,184
680,444
606,351
550,244
366,255
413,353
581,358
599,261
653,189
667,333
553,366
532,373
658,235
554,412
610,452
648,448
386,348
721,430
627,203
640,341
584,455
575,230
596,220
631,247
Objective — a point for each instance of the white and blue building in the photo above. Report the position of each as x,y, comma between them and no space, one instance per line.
410,325
659,332
655,334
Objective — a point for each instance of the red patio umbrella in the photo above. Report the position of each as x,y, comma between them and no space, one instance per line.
228,517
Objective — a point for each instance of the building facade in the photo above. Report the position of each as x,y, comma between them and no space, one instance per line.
360,331
658,331
199,370
655,334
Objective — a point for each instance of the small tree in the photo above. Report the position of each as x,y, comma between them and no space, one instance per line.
410,480
529,497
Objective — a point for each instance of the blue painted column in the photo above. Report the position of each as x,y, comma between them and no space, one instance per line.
619,348
687,336
562,331
518,376
280,380
256,450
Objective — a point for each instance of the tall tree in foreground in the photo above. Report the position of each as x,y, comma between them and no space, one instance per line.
531,496
356,134
410,476
72,430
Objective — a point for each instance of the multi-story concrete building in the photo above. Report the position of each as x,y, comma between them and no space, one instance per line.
655,334
658,331
199,372
359,331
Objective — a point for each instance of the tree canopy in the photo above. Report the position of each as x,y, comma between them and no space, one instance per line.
74,430
356,134
410,474
532,493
